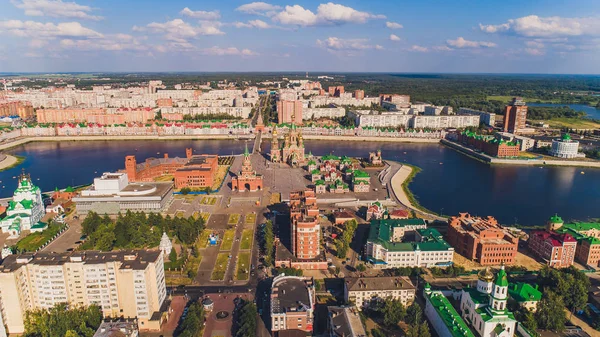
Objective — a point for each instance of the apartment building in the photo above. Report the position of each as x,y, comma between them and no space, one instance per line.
316,113
487,118
557,250
292,303
125,283
443,122
482,240
515,115
289,112
363,290
306,231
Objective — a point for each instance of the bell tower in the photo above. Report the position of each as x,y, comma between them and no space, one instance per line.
130,167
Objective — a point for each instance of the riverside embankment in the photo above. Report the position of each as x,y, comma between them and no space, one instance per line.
524,162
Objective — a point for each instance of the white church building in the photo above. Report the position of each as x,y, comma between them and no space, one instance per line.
25,210
484,308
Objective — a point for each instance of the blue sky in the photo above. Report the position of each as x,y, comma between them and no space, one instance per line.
485,36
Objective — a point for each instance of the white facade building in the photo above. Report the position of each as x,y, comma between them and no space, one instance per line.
25,210
443,122
565,147
363,290
241,112
309,113
488,118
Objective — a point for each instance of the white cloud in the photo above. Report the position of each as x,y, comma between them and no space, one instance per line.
338,44
393,25
179,31
259,8
418,48
442,48
228,51
462,43
394,37
111,43
535,51
327,14
37,44
253,24
534,44
554,26
55,8
39,30
202,15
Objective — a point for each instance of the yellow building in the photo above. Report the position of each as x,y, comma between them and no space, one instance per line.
125,283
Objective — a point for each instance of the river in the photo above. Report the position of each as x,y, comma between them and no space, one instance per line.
591,111
449,182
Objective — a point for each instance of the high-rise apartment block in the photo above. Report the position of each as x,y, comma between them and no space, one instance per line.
289,112
359,94
130,284
304,218
336,91
515,116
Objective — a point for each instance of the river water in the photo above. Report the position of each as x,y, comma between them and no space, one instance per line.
449,182
591,111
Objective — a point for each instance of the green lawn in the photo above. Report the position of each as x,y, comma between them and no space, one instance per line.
250,219
208,200
243,266
227,242
33,241
233,219
220,267
573,123
247,239
203,238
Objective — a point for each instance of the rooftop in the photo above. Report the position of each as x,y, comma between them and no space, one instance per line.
290,294
130,259
345,322
455,324
378,283
524,292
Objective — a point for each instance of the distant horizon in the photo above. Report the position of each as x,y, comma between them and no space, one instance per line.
294,72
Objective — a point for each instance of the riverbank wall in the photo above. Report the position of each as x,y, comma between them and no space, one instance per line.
523,162
24,140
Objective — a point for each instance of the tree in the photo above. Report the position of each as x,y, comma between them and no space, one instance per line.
550,314
185,190
341,248
393,312
424,330
268,242
173,255
63,321
414,313
245,325
361,268
337,271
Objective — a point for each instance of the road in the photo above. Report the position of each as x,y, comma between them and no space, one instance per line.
68,239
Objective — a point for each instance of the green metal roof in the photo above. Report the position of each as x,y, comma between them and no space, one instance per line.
455,324
524,292
360,174
501,278
381,231
556,219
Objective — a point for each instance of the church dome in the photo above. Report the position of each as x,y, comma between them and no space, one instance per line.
486,275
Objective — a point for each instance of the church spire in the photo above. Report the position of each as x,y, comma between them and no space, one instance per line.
246,153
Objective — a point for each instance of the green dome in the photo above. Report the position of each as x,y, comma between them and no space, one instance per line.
501,278
566,137
556,219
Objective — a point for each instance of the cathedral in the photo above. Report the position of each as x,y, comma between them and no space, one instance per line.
291,151
25,210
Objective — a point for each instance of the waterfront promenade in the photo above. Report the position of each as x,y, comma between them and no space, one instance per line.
7,161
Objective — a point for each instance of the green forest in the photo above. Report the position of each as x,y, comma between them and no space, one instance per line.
137,230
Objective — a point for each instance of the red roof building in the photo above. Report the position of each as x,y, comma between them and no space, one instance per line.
558,250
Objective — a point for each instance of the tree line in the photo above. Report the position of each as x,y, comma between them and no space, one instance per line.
63,320
137,230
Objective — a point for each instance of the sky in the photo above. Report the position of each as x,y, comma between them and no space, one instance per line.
457,36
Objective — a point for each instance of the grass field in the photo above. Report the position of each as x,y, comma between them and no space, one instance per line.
227,242
573,123
219,176
208,201
203,238
247,239
180,214
250,219
220,267
275,198
33,241
165,178
233,219
243,266
507,99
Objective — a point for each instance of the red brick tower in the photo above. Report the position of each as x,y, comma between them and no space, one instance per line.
188,153
131,167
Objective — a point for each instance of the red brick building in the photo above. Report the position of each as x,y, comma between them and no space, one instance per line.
515,116
336,91
489,145
482,240
304,219
16,108
194,171
558,250
247,179
289,112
